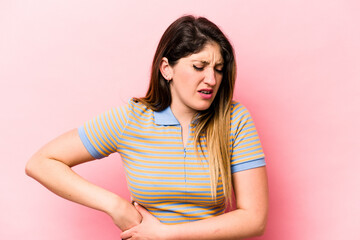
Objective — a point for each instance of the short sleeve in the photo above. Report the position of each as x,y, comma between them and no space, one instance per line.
101,135
246,150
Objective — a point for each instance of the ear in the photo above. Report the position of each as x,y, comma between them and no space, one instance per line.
165,69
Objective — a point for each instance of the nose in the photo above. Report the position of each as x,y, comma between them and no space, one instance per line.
210,78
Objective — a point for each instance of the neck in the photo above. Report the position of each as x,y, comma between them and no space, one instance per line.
182,114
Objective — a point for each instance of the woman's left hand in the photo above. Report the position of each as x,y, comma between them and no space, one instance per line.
150,227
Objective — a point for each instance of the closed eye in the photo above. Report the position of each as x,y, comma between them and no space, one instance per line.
219,70
198,68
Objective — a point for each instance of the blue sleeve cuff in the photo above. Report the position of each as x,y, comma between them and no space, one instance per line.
248,165
85,140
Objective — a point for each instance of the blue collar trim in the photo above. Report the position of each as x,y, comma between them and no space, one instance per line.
165,117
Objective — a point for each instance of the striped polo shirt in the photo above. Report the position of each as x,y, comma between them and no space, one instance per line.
169,179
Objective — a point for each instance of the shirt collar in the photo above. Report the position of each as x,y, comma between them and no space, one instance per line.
165,117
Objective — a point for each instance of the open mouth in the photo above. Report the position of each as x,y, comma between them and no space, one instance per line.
205,91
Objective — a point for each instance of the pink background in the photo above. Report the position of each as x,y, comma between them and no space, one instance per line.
63,62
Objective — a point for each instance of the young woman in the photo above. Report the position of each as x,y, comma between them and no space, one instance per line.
185,146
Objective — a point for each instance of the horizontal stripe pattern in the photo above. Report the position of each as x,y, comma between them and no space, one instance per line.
163,175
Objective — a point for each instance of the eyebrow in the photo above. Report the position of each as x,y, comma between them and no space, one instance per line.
207,63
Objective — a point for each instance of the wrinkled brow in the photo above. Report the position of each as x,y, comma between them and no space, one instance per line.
220,63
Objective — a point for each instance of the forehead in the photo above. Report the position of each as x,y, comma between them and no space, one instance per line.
211,53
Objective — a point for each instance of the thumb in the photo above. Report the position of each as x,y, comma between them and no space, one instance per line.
144,213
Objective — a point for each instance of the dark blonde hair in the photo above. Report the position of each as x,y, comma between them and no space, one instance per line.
186,36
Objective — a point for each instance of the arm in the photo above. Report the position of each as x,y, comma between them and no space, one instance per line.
51,166
248,220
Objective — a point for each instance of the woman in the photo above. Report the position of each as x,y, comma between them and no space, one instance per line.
185,146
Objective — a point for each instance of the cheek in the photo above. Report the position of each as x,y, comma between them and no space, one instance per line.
187,79
188,76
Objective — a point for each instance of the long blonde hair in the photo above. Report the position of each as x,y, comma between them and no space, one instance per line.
185,36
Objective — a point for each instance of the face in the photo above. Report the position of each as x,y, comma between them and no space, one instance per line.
195,79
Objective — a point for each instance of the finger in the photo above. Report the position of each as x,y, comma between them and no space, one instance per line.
144,213
126,235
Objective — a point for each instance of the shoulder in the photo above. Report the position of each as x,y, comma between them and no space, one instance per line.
138,111
240,118
238,111
136,106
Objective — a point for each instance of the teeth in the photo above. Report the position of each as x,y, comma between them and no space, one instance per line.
205,92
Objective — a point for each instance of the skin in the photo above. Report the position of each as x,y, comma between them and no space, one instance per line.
52,164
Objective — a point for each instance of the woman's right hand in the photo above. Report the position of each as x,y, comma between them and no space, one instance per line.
125,215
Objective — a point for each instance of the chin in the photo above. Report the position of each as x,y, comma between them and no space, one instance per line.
203,107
